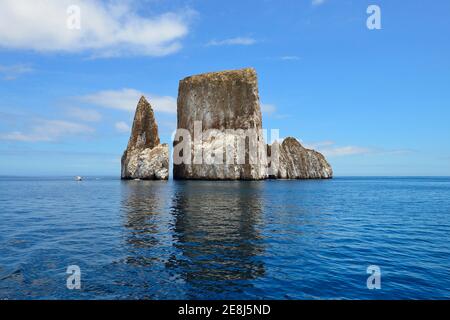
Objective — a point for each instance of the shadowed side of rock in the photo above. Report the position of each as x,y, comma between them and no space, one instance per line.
145,158
296,162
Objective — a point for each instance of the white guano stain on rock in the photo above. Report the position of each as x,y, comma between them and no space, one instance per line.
145,158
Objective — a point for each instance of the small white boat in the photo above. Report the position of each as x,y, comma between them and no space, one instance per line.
78,178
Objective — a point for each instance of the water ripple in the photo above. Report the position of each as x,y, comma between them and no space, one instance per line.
225,240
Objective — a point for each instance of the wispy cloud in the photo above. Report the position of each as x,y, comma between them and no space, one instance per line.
238,41
318,145
127,99
345,151
317,2
122,127
48,130
87,115
53,152
108,28
331,149
268,108
12,72
290,58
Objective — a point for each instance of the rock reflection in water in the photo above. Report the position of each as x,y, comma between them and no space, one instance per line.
145,205
197,235
216,229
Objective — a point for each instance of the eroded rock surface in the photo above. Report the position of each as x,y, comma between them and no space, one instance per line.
296,162
145,158
221,102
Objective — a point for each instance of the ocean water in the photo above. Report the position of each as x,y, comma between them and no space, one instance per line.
225,240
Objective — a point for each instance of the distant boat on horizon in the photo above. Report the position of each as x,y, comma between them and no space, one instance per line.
78,178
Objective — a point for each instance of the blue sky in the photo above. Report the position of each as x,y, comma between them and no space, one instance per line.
375,102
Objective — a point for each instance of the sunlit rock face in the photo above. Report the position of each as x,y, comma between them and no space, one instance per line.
225,105
145,158
296,162
220,117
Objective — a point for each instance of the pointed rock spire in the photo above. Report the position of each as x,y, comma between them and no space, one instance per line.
144,133
145,158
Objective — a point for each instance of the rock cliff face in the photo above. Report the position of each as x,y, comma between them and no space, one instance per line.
226,106
296,162
145,158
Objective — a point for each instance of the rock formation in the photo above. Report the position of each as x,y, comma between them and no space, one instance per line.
145,158
226,104
219,136
296,162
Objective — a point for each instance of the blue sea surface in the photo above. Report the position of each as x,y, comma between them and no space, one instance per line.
225,240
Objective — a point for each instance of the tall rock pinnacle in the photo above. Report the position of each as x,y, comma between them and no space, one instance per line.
145,130
145,158
226,106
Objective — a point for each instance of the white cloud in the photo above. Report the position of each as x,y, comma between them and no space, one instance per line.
268,108
317,2
345,151
107,28
127,99
318,145
122,127
290,58
87,115
330,149
12,72
238,41
48,130
165,104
